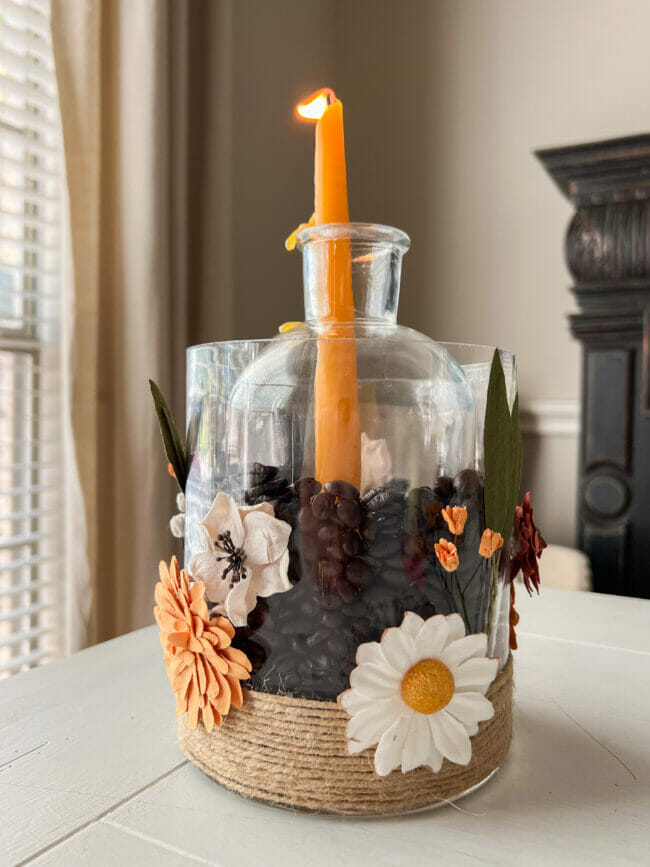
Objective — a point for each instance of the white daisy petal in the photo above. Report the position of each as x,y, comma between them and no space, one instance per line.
399,649
388,754
412,623
470,708
375,681
224,517
434,759
352,701
456,627
450,737
475,675
266,537
432,638
417,745
370,652
464,648
368,725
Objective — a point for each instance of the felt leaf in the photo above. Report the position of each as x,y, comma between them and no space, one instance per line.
503,453
172,442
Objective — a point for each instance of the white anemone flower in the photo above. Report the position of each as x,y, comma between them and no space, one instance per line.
419,694
246,556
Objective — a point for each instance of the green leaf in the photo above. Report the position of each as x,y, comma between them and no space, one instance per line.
502,453
172,443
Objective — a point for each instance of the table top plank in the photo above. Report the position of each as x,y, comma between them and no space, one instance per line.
593,618
78,736
104,845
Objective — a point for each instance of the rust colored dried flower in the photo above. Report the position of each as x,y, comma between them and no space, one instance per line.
456,518
514,618
203,668
491,541
447,554
531,544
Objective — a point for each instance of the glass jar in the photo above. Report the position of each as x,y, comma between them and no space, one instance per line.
359,555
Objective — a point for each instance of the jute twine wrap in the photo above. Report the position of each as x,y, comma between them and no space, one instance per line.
292,752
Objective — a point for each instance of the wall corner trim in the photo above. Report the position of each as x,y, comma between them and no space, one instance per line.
551,418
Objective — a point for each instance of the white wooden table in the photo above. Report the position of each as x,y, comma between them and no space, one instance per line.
90,773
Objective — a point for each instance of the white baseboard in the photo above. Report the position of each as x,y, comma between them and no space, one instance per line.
551,418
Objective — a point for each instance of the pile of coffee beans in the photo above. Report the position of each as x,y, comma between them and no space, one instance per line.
357,564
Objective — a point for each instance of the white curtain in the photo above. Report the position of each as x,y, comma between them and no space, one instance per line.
145,103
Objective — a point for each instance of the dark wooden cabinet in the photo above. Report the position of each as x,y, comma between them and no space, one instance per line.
608,255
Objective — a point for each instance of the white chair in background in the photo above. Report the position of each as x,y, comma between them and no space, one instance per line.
564,568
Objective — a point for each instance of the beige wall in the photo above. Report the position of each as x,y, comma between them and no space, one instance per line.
444,101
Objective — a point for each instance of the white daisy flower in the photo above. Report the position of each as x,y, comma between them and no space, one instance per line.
246,556
419,694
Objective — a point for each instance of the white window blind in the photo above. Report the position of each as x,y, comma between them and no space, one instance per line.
32,510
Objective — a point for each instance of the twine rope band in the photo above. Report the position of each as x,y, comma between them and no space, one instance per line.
292,752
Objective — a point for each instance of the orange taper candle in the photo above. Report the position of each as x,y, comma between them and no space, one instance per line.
336,401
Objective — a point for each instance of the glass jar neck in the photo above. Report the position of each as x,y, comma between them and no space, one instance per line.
351,271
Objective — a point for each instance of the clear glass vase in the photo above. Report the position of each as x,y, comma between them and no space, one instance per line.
362,554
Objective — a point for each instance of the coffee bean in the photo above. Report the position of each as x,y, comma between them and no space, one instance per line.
412,519
306,488
336,646
323,505
328,533
444,487
386,546
467,484
307,521
316,637
335,552
328,571
347,665
344,490
358,573
376,498
348,512
333,619
291,625
346,590
260,473
350,543
329,601
360,628
353,609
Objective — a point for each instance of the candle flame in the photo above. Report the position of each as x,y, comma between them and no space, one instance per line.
316,104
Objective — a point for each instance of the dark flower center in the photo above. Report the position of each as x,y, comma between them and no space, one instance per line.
235,557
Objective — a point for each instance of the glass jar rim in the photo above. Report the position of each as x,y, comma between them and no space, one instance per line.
369,233
449,345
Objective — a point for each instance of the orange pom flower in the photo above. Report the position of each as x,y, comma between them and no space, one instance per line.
447,554
490,542
456,517
203,669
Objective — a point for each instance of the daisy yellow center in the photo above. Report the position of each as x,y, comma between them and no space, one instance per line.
428,686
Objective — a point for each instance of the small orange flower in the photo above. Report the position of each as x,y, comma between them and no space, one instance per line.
447,554
170,470
490,542
456,517
203,669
